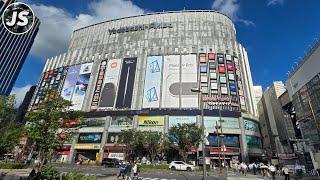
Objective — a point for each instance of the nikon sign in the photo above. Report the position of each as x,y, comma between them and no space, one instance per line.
151,120
140,27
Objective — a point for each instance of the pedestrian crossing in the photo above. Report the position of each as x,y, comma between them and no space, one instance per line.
150,178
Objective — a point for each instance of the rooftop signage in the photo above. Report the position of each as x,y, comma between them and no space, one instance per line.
140,27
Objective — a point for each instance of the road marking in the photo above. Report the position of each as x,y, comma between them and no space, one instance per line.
148,178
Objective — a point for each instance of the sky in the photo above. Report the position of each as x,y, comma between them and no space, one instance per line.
275,33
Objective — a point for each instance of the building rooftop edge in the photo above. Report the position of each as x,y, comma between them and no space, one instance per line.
153,13
315,45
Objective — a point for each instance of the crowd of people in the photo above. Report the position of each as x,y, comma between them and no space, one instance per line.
126,169
267,171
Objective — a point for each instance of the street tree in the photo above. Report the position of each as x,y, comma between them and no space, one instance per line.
10,131
152,142
49,125
184,136
139,142
7,109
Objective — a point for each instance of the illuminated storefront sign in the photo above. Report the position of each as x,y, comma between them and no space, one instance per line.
87,146
175,120
151,120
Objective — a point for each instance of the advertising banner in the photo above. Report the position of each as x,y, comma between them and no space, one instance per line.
152,84
253,142
171,82
251,125
90,138
81,86
227,122
99,84
175,120
126,84
70,82
110,87
151,120
121,121
230,140
189,80
113,137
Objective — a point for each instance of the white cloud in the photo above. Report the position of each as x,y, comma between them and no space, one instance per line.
57,24
19,93
231,8
275,2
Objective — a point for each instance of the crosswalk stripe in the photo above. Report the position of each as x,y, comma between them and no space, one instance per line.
147,178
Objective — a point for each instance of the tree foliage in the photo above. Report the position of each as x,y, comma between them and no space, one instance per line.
7,109
10,130
184,136
139,142
48,125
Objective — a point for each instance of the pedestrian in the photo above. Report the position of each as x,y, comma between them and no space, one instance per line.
128,171
298,170
135,171
265,174
254,168
122,168
285,171
273,170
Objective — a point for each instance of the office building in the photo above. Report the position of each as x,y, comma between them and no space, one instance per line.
304,90
14,50
276,125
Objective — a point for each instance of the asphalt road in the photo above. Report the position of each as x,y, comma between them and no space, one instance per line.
153,174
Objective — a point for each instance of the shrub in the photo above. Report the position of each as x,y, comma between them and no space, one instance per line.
11,166
77,176
49,173
154,166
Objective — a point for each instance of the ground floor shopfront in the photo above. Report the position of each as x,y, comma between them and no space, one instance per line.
99,139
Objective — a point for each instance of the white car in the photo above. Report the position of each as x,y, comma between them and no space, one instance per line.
180,165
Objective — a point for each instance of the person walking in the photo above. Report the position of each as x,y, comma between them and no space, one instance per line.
135,171
128,171
285,171
254,168
273,170
298,170
122,168
265,174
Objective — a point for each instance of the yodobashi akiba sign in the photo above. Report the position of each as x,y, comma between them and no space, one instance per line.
140,27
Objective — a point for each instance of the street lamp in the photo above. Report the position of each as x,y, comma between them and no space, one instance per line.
199,91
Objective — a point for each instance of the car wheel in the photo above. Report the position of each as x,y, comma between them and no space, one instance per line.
173,168
189,169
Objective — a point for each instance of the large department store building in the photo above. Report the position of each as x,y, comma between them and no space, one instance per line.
137,72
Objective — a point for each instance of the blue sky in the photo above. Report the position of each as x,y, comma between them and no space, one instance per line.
274,32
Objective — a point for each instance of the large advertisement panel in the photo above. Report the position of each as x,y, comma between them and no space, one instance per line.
151,120
171,82
230,140
99,84
124,97
70,82
227,122
121,121
81,86
90,137
175,120
152,84
189,80
110,87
